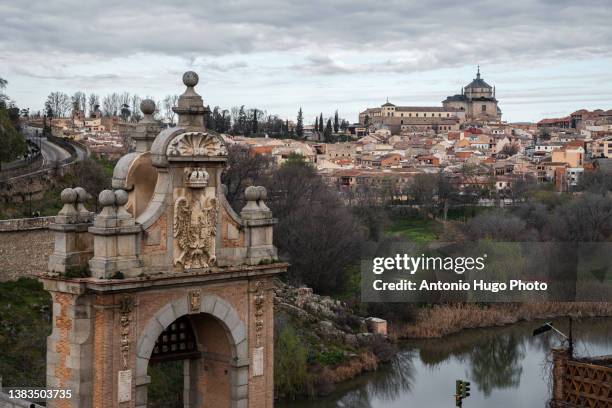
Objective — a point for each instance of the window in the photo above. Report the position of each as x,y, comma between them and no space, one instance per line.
483,108
448,115
410,114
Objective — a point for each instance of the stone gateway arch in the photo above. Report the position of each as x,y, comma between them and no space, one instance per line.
167,270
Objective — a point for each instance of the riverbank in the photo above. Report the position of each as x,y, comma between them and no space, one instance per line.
321,343
441,320
336,345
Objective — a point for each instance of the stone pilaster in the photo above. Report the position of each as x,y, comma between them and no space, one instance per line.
259,224
147,129
70,346
73,244
116,238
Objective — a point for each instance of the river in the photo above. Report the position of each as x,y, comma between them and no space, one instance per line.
506,366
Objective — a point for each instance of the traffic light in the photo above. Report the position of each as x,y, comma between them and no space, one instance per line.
465,389
462,390
458,386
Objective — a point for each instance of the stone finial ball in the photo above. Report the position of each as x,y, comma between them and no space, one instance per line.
68,196
82,195
263,193
147,106
251,193
121,197
106,198
190,78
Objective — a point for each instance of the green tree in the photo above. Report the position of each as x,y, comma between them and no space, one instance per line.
12,142
316,126
254,122
320,129
299,128
327,133
336,122
3,97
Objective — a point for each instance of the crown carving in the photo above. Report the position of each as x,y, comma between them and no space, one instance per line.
196,178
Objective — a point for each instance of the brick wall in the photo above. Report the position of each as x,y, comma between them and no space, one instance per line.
25,246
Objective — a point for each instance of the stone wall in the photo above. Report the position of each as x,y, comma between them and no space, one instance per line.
25,246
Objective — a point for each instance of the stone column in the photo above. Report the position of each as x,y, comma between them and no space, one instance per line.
259,225
147,129
116,238
73,244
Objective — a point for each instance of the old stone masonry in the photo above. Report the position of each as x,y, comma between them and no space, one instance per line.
167,270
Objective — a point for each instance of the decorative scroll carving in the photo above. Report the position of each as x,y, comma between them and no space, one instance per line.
196,144
195,228
260,300
125,307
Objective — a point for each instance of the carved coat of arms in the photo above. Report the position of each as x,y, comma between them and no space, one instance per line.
195,223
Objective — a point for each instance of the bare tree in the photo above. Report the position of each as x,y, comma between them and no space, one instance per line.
58,103
111,104
243,170
316,232
136,114
170,101
79,101
92,101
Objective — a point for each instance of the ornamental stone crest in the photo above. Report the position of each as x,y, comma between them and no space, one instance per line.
195,229
196,144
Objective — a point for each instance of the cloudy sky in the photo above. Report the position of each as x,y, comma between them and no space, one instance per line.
546,58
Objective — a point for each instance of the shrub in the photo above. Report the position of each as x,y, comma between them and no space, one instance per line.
291,377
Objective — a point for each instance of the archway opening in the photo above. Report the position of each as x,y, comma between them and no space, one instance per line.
174,349
193,364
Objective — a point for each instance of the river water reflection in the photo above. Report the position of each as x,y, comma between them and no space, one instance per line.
506,366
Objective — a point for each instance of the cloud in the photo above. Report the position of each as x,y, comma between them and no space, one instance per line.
288,52
420,35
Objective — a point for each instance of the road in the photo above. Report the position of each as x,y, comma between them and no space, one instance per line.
52,153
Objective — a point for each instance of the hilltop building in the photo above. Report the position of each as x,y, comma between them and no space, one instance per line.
476,103
477,100
412,118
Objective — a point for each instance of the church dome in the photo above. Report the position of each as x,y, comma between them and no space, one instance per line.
478,82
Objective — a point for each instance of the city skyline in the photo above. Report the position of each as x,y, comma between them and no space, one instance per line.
546,59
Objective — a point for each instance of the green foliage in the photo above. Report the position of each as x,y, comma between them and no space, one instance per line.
12,142
415,230
295,159
81,271
330,357
299,127
89,174
327,133
118,275
291,377
166,388
25,323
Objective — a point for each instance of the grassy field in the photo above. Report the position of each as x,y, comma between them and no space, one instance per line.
25,323
415,229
